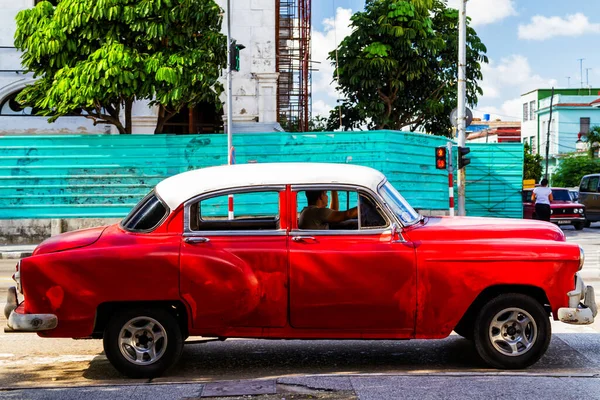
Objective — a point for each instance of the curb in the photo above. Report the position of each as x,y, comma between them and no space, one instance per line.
14,255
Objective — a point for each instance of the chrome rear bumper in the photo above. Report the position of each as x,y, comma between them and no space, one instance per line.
19,322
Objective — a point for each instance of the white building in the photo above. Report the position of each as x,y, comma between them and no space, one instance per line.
254,86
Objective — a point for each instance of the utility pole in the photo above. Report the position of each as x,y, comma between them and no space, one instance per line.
462,94
548,135
568,81
230,214
581,70
229,95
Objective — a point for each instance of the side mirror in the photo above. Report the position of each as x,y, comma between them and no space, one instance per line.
396,233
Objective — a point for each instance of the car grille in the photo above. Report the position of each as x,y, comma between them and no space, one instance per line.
563,211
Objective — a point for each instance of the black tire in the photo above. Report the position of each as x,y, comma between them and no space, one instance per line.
588,223
148,323
495,352
579,225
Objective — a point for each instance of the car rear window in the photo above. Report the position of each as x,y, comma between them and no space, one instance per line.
146,215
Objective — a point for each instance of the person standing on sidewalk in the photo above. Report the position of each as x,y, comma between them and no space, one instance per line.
542,197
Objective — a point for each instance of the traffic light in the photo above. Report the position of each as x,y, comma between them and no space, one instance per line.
235,55
462,160
441,161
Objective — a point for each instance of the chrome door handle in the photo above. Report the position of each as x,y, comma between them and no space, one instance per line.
303,238
196,240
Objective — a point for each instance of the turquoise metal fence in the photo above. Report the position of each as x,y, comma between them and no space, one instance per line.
495,180
89,176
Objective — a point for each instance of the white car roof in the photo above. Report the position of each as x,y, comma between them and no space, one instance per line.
182,187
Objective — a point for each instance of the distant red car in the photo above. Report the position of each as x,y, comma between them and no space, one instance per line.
218,252
564,210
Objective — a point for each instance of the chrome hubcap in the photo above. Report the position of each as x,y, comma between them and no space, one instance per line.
142,340
513,332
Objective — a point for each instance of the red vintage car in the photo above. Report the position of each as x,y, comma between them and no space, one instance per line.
218,252
564,210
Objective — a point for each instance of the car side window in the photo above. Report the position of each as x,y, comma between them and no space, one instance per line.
593,184
584,185
369,214
251,211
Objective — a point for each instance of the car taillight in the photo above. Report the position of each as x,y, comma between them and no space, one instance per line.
17,277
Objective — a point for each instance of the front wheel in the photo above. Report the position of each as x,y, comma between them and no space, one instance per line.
512,331
143,343
579,225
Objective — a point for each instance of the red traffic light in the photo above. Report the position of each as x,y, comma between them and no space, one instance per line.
440,158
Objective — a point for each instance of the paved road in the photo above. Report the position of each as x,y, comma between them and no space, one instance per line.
449,368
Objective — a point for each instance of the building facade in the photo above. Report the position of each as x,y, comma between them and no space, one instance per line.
574,113
254,23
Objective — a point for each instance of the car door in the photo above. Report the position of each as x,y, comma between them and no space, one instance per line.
352,277
234,268
594,197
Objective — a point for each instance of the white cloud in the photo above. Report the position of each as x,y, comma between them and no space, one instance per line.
508,79
542,28
510,110
322,43
483,12
512,72
321,108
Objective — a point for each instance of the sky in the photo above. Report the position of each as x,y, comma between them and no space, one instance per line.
531,44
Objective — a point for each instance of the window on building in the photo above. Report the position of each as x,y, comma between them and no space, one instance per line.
584,125
532,110
525,112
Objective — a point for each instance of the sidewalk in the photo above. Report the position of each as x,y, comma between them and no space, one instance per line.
13,252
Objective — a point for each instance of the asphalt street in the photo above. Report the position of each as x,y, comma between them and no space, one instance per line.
36,368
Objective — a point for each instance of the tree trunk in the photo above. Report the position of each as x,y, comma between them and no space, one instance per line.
160,121
128,106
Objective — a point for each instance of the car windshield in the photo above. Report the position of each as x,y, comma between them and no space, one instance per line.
398,205
561,195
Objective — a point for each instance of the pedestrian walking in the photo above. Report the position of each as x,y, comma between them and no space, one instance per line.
542,197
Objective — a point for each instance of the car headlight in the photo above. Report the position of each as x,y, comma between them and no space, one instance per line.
551,211
581,258
581,211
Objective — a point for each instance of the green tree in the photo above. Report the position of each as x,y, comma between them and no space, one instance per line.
573,168
96,57
398,67
532,165
593,140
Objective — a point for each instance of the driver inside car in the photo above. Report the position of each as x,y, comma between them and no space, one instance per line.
317,216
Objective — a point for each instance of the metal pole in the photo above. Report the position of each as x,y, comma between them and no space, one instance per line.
229,105
548,135
229,95
581,70
462,94
450,179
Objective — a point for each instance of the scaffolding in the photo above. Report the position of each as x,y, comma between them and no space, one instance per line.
293,63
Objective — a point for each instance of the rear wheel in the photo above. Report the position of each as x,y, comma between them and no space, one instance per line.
579,225
143,343
512,331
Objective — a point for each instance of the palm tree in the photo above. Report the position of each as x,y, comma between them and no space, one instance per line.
593,140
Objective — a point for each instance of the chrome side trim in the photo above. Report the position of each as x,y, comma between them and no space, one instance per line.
279,232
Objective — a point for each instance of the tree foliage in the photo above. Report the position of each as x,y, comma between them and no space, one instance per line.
593,140
573,168
100,56
532,165
398,67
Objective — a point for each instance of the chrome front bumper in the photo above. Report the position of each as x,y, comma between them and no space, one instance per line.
578,312
18,322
